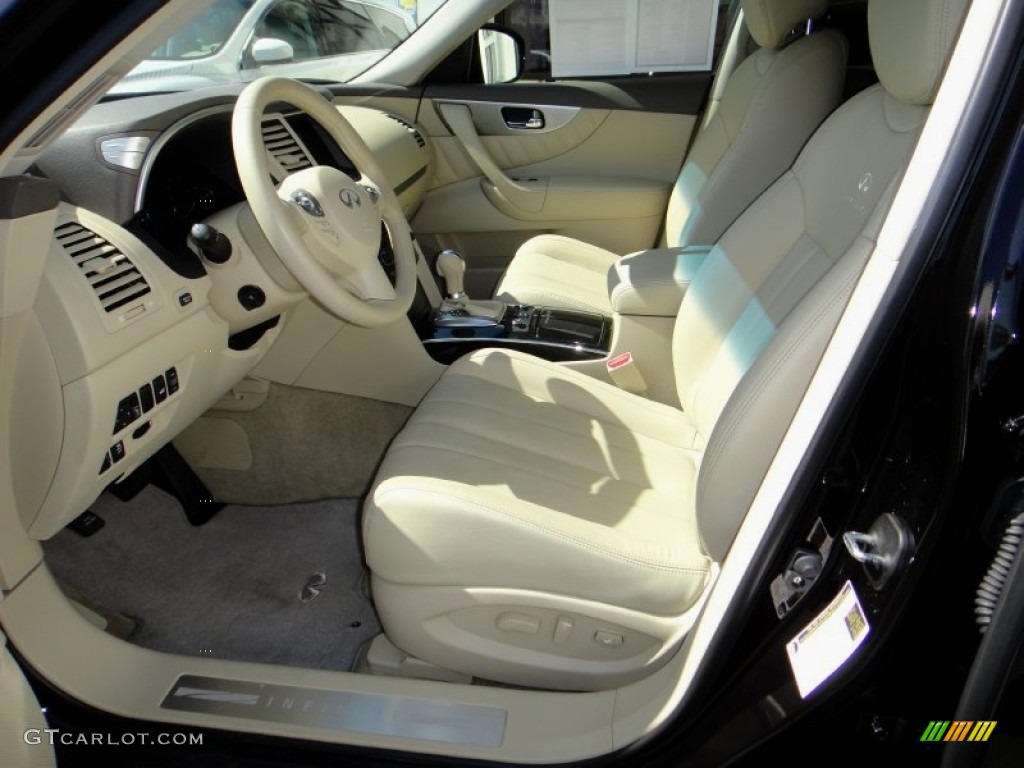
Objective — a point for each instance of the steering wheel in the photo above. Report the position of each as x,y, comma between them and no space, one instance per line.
324,225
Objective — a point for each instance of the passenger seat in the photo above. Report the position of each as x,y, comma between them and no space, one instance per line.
773,102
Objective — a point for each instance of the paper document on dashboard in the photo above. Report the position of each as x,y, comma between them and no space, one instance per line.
616,37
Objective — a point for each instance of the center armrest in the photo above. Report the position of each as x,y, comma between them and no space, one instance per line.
654,282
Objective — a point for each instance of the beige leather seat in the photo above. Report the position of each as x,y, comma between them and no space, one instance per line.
536,526
772,104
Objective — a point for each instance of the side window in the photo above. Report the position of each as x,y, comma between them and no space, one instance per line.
530,19
291,21
348,28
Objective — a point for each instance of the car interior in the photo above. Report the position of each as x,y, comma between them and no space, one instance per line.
454,407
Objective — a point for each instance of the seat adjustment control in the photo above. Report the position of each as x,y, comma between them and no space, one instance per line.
518,622
608,639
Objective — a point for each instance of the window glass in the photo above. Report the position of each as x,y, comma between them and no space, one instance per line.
348,28
236,40
393,26
530,19
293,22
205,34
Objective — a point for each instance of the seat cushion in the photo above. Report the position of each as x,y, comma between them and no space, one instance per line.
520,474
557,271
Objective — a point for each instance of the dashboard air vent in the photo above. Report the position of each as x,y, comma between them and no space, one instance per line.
411,129
110,273
282,144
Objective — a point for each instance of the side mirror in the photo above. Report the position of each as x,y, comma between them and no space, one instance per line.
270,50
502,54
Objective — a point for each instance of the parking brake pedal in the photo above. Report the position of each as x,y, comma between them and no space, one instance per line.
86,524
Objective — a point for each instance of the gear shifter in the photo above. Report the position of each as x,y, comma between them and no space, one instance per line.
452,267
457,311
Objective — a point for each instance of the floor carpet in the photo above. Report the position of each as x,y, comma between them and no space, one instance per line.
230,588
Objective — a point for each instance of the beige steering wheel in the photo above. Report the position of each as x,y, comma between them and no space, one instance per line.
324,225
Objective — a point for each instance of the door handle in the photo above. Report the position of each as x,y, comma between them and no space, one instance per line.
460,122
523,118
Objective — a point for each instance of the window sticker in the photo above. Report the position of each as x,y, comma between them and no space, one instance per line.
612,37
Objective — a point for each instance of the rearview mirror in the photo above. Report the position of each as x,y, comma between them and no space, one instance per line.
270,50
501,54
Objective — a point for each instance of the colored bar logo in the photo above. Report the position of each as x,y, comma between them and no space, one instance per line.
958,730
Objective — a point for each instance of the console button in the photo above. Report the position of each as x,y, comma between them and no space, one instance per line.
117,451
160,389
172,380
140,431
128,410
106,463
146,395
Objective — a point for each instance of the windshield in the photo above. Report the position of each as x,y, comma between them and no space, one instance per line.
241,40
205,33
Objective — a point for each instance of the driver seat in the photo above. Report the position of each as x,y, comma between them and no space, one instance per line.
534,526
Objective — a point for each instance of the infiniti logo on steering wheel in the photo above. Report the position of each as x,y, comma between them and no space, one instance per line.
350,198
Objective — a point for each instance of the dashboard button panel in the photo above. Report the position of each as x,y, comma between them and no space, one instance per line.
160,389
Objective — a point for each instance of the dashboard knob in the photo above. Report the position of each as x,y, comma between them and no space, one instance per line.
251,297
214,246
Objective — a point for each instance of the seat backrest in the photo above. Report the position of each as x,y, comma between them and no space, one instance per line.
771,105
761,309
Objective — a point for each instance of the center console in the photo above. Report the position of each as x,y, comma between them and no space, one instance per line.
558,335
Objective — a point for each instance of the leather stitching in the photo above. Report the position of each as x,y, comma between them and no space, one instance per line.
624,557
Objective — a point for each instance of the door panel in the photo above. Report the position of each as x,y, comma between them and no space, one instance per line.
598,166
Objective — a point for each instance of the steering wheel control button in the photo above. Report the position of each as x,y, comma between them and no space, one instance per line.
171,374
251,297
117,451
128,410
307,203
160,389
214,245
608,639
372,192
518,622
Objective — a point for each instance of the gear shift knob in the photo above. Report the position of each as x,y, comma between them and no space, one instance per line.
451,266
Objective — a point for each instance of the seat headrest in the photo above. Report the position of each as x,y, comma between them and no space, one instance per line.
911,41
770,21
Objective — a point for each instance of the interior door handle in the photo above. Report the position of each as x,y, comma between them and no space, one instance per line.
523,118
460,121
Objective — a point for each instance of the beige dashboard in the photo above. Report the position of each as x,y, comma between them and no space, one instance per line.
126,352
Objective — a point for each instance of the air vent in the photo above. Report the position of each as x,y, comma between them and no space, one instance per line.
110,273
282,144
411,129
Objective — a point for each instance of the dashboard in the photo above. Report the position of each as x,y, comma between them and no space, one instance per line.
138,332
